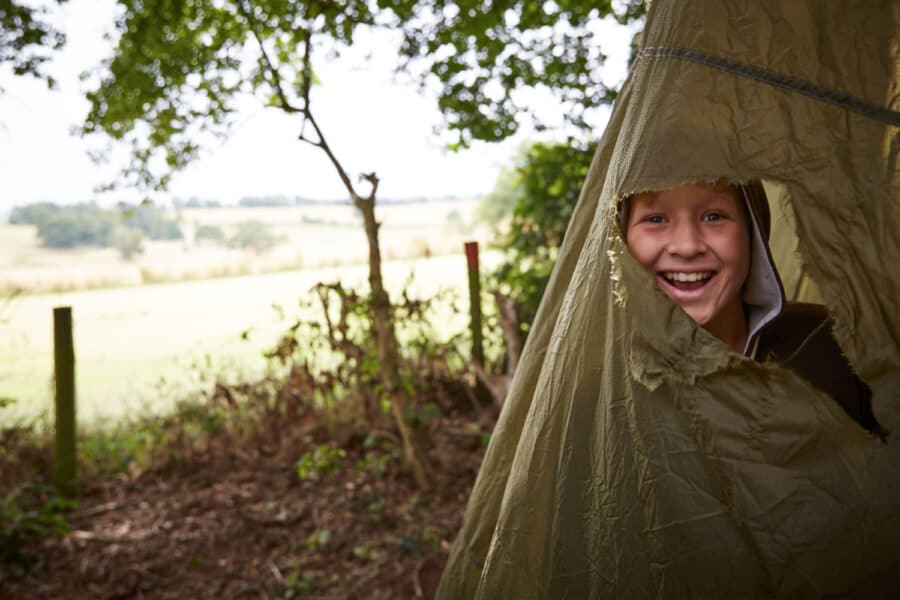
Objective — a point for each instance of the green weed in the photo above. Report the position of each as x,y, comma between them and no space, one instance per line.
374,464
366,552
322,461
319,539
26,516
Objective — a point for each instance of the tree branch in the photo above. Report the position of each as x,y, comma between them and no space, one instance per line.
334,161
373,180
277,83
275,76
307,68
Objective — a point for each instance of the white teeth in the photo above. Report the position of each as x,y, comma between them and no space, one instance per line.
675,276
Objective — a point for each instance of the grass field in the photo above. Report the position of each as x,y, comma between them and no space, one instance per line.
140,347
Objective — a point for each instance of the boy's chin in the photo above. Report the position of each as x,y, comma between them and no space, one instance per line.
701,318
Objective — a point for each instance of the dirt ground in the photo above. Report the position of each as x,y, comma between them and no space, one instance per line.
239,522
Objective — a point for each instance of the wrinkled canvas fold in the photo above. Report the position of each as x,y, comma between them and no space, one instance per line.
636,455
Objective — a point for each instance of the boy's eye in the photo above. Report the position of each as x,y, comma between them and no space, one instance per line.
654,219
713,217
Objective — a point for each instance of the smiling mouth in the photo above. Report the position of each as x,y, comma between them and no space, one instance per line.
686,281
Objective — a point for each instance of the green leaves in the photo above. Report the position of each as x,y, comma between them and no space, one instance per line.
171,82
180,67
321,462
26,41
26,515
485,56
546,186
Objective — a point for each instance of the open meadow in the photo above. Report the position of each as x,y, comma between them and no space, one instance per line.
209,311
306,236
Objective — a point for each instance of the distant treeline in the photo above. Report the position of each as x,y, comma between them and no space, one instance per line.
87,224
284,201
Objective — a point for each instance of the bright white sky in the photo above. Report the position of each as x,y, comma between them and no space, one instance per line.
372,122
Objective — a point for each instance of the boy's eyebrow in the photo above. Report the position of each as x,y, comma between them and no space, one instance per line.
648,197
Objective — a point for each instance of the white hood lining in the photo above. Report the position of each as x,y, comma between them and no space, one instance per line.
763,292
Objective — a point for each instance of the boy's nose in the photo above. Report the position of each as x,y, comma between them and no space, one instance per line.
686,240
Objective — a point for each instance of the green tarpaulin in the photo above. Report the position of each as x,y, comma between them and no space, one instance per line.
637,456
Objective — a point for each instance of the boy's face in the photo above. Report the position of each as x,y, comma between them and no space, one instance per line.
694,239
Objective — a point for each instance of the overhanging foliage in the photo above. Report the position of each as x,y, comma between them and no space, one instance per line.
484,55
27,41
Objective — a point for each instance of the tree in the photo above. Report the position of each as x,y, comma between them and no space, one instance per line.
484,57
33,214
487,66
175,75
254,235
83,224
128,241
179,67
61,231
26,40
86,224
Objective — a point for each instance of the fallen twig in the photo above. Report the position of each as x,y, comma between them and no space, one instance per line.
99,509
417,586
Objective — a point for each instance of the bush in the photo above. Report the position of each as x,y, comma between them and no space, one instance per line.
455,222
254,235
25,516
128,241
212,233
320,462
151,220
501,201
546,187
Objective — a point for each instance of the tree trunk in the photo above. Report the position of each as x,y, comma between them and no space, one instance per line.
382,315
498,384
386,344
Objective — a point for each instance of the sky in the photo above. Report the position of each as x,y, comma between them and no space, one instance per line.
373,120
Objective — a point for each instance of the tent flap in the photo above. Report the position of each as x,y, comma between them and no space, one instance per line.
636,455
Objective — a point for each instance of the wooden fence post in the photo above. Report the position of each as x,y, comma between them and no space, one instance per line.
65,463
475,302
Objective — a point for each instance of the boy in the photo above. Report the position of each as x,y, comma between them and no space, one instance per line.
707,247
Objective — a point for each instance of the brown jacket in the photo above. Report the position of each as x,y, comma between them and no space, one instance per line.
801,339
